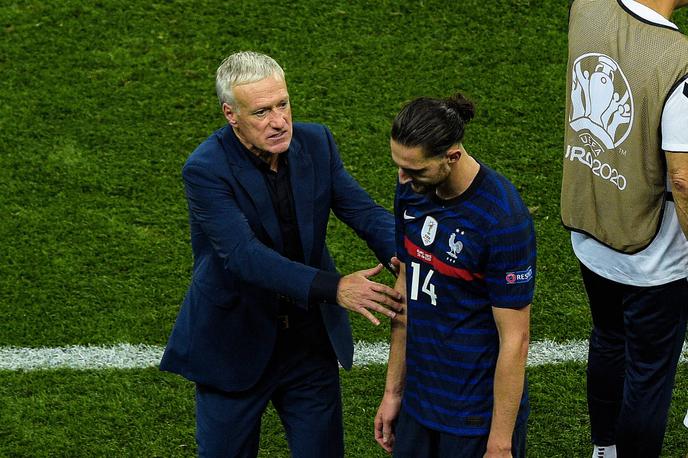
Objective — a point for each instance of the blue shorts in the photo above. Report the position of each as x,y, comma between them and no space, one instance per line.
413,440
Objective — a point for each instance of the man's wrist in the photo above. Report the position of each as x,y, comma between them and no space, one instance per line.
395,391
498,444
324,288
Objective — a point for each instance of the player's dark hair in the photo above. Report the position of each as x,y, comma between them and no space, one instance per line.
433,124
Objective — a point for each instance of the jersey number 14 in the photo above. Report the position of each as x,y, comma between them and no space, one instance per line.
427,288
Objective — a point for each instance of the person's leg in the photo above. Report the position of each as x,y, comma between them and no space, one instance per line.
228,424
308,398
605,372
451,446
413,440
655,321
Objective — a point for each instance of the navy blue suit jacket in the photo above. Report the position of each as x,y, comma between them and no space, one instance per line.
226,329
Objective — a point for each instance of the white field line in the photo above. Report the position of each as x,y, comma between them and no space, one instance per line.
127,356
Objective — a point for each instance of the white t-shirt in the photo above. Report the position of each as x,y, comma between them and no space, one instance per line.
666,258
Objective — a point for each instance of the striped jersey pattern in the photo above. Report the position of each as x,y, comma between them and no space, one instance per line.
463,256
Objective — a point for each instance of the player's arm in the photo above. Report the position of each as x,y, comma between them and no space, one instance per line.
390,405
677,165
513,326
675,145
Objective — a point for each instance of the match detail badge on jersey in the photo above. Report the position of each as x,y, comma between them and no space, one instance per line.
429,230
519,276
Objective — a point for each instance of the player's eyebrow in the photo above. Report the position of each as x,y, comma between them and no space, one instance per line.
414,171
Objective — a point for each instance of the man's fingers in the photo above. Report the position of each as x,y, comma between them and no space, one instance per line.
384,289
378,305
372,271
363,311
395,265
387,436
378,427
373,306
383,434
388,295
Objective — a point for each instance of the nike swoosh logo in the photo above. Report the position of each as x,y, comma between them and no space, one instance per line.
407,216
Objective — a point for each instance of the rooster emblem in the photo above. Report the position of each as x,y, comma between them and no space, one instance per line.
455,246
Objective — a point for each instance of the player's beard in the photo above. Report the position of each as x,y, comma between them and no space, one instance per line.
430,188
423,188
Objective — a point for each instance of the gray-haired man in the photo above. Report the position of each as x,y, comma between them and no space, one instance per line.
265,318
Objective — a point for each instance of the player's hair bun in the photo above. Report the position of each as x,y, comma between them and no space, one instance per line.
462,106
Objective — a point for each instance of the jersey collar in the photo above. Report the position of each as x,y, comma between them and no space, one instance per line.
647,13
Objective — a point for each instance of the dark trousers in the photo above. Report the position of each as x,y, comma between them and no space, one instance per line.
635,344
414,440
302,381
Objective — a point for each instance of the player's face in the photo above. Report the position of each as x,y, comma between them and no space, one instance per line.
262,116
424,173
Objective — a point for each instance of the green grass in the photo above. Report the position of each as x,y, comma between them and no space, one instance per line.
147,413
102,102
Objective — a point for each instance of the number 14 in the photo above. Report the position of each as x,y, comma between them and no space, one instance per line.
428,288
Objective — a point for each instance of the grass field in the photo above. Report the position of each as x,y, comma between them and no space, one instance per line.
102,101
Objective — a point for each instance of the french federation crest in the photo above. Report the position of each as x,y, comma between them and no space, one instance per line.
601,102
427,234
455,246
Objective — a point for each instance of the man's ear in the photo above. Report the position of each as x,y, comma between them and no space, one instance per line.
230,114
454,155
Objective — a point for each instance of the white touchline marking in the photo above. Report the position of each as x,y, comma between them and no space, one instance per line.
119,356
128,356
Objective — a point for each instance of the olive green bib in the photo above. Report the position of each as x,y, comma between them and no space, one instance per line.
620,71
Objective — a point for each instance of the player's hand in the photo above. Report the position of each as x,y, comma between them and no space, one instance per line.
496,452
489,454
385,420
358,294
395,265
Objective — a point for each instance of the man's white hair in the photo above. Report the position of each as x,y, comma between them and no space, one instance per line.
242,68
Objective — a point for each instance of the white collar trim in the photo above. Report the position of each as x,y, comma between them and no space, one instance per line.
647,13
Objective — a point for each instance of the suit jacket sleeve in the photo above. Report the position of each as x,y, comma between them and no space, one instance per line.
212,203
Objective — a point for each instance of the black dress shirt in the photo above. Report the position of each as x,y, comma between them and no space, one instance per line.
324,286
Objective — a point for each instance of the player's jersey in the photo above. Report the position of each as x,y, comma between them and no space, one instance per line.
463,256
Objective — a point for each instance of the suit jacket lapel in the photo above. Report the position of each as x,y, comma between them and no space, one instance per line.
302,184
253,183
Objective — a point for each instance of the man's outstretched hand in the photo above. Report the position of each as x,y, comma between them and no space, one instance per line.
357,293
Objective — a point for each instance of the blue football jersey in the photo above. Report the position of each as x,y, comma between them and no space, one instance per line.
463,256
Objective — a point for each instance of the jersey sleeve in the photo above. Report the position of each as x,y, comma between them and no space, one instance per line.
511,256
675,119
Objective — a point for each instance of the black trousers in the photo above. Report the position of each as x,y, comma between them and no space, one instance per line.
301,381
635,344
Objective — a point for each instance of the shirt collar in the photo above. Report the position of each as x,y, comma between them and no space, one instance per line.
258,162
647,13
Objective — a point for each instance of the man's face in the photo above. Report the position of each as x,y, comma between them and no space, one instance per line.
262,115
424,174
